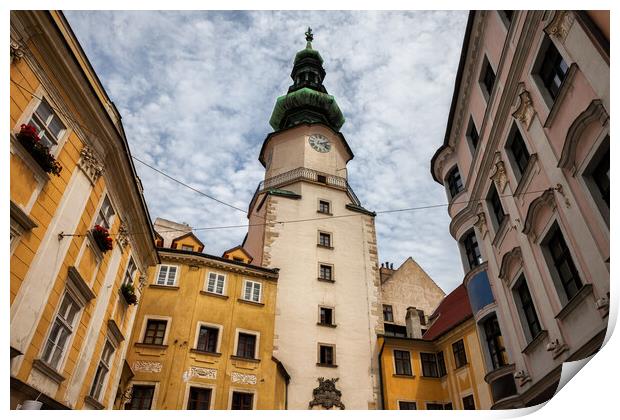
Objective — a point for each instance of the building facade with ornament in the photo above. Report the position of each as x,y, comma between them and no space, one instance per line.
328,304
525,165
203,335
75,264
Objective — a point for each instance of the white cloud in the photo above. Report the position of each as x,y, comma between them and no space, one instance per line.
196,90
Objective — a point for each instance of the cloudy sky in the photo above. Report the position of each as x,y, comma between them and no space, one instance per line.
196,90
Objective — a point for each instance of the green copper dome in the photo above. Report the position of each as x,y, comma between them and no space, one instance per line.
307,100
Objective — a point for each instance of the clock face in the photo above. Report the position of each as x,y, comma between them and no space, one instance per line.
320,143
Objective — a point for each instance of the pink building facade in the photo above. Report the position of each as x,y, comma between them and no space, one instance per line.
525,164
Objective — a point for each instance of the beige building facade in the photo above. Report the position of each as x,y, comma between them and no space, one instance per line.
327,313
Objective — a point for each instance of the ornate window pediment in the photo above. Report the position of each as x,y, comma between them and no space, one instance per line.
594,112
543,204
511,261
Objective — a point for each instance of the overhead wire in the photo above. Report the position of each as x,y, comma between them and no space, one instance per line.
68,117
247,225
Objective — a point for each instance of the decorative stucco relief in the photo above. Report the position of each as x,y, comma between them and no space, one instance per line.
481,222
522,377
122,237
90,164
560,24
242,378
147,366
525,110
17,51
499,176
326,395
205,373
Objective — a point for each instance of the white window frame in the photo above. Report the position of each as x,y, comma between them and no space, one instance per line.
145,321
107,365
102,217
252,290
217,275
28,113
130,260
219,327
256,345
167,278
68,342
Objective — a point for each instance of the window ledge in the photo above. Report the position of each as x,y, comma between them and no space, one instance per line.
151,346
326,280
96,404
324,246
432,378
453,199
535,342
526,176
78,285
208,353
163,287
48,371
217,295
398,375
22,219
501,231
115,332
571,305
325,213
326,365
250,302
245,359
32,164
464,365
326,325
564,88
94,247
499,372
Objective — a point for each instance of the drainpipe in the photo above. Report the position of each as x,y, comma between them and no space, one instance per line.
381,375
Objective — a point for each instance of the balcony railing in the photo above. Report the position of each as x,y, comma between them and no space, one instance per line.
306,174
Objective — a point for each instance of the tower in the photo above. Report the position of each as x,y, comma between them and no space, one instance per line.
306,220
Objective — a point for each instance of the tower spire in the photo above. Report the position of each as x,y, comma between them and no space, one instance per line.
307,100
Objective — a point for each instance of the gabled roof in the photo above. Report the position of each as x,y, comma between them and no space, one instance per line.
238,248
187,235
452,310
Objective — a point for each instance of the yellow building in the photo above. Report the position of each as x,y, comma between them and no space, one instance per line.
443,370
203,337
71,288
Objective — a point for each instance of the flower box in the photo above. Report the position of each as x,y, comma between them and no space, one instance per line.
129,293
30,140
102,238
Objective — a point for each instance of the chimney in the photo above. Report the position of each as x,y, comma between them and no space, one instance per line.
385,272
412,320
